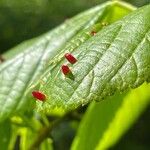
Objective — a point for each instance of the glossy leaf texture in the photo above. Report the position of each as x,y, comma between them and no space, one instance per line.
109,120
115,59
27,62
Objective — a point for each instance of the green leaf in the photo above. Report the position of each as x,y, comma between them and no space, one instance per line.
29,60
133,105
115,59
5,134
105,123
95,122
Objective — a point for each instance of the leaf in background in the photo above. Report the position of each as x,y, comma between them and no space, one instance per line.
19,49
133,105
95,122
5,134
105,123
115,59
17,74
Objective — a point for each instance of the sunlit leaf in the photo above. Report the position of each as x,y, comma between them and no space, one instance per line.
25,67
104,123
115,59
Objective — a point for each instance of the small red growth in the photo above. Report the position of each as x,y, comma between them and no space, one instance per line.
70,58
65,69
93,33
39,95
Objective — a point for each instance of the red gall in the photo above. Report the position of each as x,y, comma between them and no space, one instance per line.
39,95
65,69
70,58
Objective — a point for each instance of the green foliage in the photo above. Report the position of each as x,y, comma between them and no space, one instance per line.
30,59
132,106
17,74
106,122
114,60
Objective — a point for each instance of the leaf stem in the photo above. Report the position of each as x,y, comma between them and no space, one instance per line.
45,131
124,5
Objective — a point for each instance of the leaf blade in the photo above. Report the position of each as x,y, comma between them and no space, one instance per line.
17,74
132,107
116,59
104,123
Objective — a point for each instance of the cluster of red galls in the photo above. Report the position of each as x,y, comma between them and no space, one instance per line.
65,70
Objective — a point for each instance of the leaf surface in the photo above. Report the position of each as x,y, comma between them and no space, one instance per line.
115,59
27,61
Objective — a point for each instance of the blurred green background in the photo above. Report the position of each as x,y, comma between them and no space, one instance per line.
25,19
